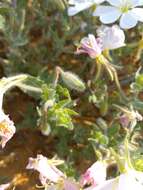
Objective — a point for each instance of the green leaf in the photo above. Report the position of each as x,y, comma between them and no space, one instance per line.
62,104
60,117
102,139
48,93
113,130
63,92
137,104
71,112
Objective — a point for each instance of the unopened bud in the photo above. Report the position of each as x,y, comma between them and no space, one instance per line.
72,81
103,108
102,123
61,4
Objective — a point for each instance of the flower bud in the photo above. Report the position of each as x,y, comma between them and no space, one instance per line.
61,4
72,81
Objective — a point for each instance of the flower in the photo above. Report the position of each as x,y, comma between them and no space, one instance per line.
70,185
80,5
4,186
130,117
46,168
107,185
130,180
94,175
49,173
7,128
111,37
124,9
90,45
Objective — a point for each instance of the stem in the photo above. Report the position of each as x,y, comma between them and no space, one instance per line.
127,153
138,51
118,85
6,83
23,20
109,69
29,88
112,72
106,53
119,161
98,73
58,71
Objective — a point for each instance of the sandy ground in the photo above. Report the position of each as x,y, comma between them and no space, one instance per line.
14,158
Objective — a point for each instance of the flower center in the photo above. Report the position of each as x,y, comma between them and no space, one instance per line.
4,127
125,7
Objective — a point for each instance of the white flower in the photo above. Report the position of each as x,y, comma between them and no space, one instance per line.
4,186
80,5
131,180
7,128
94,175
111,37
107,185
124,9
47,169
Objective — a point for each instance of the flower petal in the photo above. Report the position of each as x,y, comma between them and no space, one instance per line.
96,174
108,14
70,185
128,181
47,170
78,7
138,13
111,37
107,185
4,186
98,1
136,3
128,20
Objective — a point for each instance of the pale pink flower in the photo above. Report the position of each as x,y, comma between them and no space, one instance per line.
4,186
112,37
64,184
130,117
94,175
70,185
91,46
106,185
47,170
124,120
7,128
131,180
